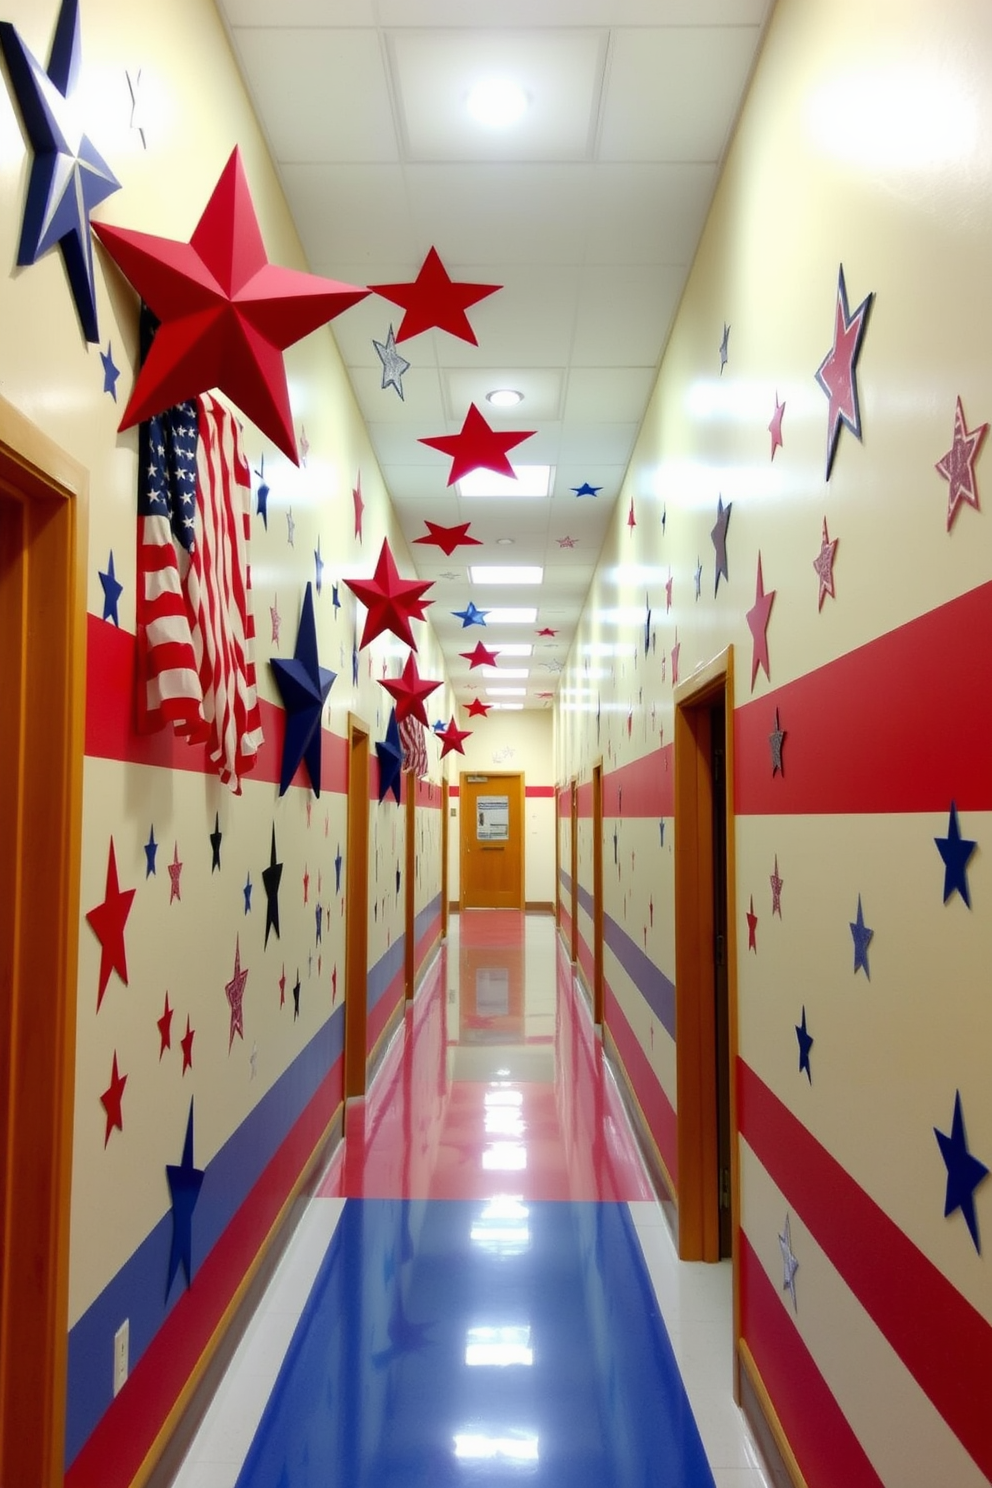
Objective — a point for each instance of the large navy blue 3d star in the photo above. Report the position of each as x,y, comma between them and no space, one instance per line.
303,686
955,851
185,1182
390,752
964,1172
470,615
68,177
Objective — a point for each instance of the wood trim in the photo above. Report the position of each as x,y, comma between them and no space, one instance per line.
409,885
656,1165
768,1431
43,554
558,856
539,906
598,1002
356,937
574,868
445,849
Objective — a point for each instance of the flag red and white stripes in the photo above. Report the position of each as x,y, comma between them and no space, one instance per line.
414,745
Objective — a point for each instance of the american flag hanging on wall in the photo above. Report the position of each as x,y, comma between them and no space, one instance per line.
414,745
196,630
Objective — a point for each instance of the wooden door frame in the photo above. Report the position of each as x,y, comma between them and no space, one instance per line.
356,937
599,1010
41,759
695,1055
557,857
445,849
410,879
518,775
573,949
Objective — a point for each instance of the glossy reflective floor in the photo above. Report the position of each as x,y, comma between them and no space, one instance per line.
484,1291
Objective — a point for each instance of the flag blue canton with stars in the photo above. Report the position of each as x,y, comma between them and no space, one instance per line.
168,465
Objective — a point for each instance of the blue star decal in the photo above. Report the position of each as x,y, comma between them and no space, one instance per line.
262,494
112,591
338,860
586,489
354,662
185,1182
964,1172
271,879
664,519
399,880
862,938
68,176
805,1044
661,829
151,848
647,625
110,372
303,686
319,915
955,851
247,892
470,615
216,838
439,726
390,752
335,599
319,566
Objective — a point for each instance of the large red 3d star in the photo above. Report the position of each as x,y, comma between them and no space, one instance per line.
451,738
391,602
107,922
958,465
111,1101
434,299
449,538
226,313
477,447
481,656
478,709
409,691
836,374
757,622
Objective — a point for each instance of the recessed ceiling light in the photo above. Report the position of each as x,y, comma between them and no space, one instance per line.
522,615
505,542
504,397
506,574
506,692
527,480
497,102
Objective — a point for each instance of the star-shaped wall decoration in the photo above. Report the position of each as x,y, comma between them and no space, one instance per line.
789,1263
435,300
554,665
718,536
319,920
668,593
451,738
775,427
151,848
306,883
480,656
354,662
111,1101
359,505
478,709
185,1181
303,686
234,991
282,986
698,576
338,861
477,447
546,631
112,591
631,519
175,874
647,624
107,921
586,489
318,561
296,996
964,1172
164,1026
335,599
291,528
276,619
271,879
805,1044
186,1044
216,838
757,624
304,446
470,615
391,602
823,565
724,347
676,655
752,925
837,373
262,494
110,371
136,121
69,178
409,691
775,741
393,365
956,852
958,465
777,884
861,935
448,538
247,892
566,542
390,752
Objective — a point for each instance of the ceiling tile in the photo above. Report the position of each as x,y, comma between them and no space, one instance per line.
521,13
624,315
421,396
501,214
350,215
541,387
529,323
646,213
607,394
598,441
298,13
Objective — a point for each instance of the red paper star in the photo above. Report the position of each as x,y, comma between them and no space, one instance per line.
175,871
186,1044
164,1026
631,519
566,542
668,593
478,709
226,313
757,621
356,496
334,983
477,447
836,374
282,986
434,299
234,990
775,427
958,465
409,691
449,538
547,632
306,885
107,922
481,656
276,620
752,928
823,563
545,694
392,602
676,653
451,738
776,883
111,1101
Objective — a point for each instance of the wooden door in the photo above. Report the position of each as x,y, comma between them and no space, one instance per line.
492,841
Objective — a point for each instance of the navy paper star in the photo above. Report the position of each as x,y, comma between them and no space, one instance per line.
724,346
216,838
698,576
112,591
335,599
955,851
319,916
185,1182
319,567
338,860
303,686
470,615
296,996
110,372
964,1172
262,494
438,726
68,177
586,489
151,848
390,752
393,365
271,878
862,939
647,625
805,1044
399,880
354,662
247,892
719,538
661,831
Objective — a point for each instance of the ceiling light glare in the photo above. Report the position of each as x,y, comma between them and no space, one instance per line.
526,480
514,648
506,692
487,573
504,397
505,672
508,707
520,615
496,103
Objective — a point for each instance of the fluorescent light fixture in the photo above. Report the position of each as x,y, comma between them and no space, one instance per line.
520,616
473,1447
514,648
504,397
493,573
506,692
504,1157
527,480
497,102
498,671
508,707
498,1347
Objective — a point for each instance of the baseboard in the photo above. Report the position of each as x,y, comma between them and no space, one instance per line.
781,1467
539,906
656,1165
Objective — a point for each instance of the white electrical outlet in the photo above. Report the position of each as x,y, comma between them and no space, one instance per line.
122,1339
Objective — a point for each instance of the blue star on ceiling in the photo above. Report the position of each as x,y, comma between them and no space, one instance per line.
110,371
805,1044
862,939
151,848
470,615
393,365
185,1182
303,686
964,1172
68,176
112,591
390,752
955,851
586,489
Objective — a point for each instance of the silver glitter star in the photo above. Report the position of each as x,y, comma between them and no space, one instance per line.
393,365
789,1263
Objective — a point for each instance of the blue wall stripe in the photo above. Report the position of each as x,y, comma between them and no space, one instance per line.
652,983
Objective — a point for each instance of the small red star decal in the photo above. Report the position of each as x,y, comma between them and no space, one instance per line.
111,1101
630,721
757,621
545,694
837,373
276,620
547,631
107,922
481,656
668,594
776,883
478,709
164,1026
186,1044
409,691
234,991
451,738
306,885
282,987
334,983
566,542
823,563
631,519
775,427
752,928
309,810
448,538
676,653
356,496
435,300
175,870
391,602
477,447
958,465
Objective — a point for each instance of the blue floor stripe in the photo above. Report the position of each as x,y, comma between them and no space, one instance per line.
479,1342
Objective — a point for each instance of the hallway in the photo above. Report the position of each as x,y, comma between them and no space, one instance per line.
484,1289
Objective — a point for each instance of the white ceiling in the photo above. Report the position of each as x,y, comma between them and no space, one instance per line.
587,212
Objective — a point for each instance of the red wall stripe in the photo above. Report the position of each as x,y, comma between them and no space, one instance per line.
645,787
583,801
565,803
826,1448
943,1341
653,1101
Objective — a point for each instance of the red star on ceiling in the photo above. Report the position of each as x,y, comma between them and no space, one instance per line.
481,656
757,622
451,738
356,496
107,922
547,632
958,465
823,563
478,709
545,694
752,928
164,1026
409,691
226,313
775,427
477,447
434,299
175,872
186,1044
234,991
448,538
392,602
837,373
111,1101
